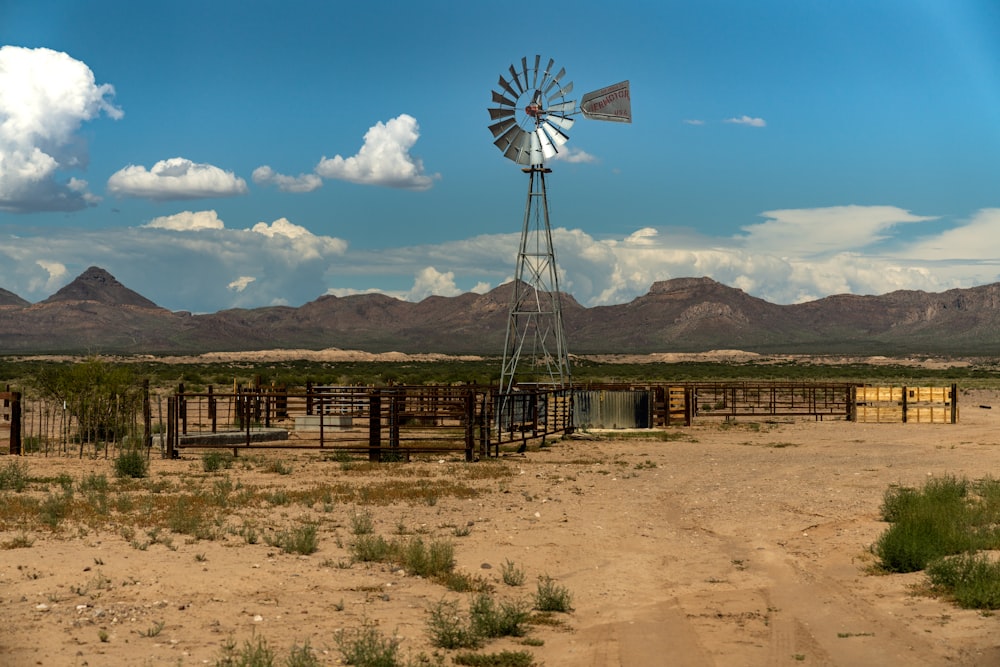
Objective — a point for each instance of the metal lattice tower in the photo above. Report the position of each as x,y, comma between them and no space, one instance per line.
535,340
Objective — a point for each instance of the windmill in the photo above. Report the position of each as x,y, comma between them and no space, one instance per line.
530,126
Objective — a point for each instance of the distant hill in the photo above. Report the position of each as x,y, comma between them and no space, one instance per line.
96,313
11,299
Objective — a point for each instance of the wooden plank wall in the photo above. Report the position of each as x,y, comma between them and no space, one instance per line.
916,405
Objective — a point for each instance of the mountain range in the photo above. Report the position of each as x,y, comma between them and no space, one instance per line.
95,313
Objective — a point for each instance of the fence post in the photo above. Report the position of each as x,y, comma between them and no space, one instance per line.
147,417
470,423
212,410
15,423
904,404
374,426
171,426
954,403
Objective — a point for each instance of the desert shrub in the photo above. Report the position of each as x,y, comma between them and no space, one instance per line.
301,656
501,659
371,549
492,619
511,574
131,462
362,523
367,647
14,476
551,596
54,508
215,460
428,561
94,483
972,580
448,629
302,540
253,654
947,516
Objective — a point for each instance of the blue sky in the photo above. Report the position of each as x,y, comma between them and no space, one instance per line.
241,154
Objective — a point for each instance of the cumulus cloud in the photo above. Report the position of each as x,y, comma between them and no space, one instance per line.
575,156
240,283
45,96
55,272
384,158
187,221
747,120
298,242
264,175
175,178
429,281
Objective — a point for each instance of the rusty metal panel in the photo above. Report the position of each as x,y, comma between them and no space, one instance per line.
612,409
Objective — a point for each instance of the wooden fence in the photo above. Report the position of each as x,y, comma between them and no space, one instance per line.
914,405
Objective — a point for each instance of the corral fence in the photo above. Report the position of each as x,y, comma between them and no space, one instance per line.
616,406
387,423
394,422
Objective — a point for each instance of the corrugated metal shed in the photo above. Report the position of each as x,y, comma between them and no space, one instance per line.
612,409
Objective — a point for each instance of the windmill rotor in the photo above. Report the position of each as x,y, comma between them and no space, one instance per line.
532,114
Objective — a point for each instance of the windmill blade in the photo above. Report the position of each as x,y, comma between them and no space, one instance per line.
500,113
534,79
524,67
500,99
545,144
509,138
555,80
562,107
560,121
563,92
517,82
545,75
519,148
558,136
506,86
499,128
536,156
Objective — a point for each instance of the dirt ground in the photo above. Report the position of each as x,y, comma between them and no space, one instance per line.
731,545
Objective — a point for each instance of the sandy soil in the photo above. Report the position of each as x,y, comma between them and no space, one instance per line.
738,545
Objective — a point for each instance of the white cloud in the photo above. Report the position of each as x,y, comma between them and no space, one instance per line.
694,121
575,156
240,283
56,272
429,281
747,120
384,159
264,175
298,242
813,231
45,96
789,258
971,241
175,178
187,221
